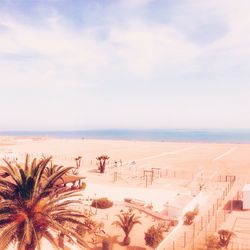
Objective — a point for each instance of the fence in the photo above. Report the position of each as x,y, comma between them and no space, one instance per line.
22,156
194,236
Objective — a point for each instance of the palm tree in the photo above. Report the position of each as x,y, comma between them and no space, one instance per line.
76,170
126,222
31,208
102,162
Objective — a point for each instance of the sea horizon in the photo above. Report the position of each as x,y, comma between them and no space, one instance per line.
171,135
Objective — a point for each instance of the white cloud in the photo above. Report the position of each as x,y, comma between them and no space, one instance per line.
143,49
134,52
134,3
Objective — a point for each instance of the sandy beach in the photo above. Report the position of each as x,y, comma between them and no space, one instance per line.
231,158
189,163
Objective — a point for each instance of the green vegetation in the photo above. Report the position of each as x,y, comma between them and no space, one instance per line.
224,237
212,242
189,216
102,162
102,203
32,207
126,221
220,240
154,235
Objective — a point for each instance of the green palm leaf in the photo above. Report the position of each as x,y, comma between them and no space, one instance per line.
31,208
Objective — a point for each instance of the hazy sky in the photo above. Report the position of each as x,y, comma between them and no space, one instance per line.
89,64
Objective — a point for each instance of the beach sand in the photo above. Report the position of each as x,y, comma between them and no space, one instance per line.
231,158
196,161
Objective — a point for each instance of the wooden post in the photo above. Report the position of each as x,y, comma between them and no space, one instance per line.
184,242
193,235
215,224
205,231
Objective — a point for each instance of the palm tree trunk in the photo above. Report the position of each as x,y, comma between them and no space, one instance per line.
102,167
126,240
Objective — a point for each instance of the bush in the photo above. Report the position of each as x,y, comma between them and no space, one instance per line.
102,203
154,236
212,242
189,216
173,223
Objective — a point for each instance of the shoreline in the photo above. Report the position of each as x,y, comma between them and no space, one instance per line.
149,135
37,138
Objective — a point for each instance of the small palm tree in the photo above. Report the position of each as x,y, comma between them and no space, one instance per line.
102,162
76,170
126,222
31,208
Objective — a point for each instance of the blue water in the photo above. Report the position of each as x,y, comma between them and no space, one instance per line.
178,135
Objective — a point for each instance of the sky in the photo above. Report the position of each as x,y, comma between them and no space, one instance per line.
133,64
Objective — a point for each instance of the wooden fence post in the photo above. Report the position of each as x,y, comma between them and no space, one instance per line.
184,242
193,235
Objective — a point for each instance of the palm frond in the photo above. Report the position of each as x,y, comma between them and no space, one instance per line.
47,235
42,165
32,207
26,169
56,176
6,234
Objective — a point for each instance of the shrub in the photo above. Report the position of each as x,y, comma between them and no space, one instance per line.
189,217
102,203
154,236
225,237
212,242
173,223
220,240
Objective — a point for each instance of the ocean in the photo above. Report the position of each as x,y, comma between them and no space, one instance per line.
176,135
